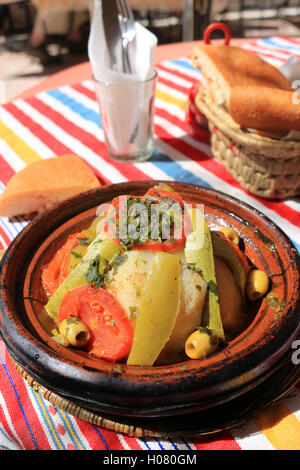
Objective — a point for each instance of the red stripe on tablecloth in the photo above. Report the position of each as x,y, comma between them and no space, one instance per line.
184,125
178,73
3,419
271,47
44,136
12,381
133,443
40,132
111,439
264,52
5,237
221,441
128,170
85,91
101,439
288,38
94,436
32,417
291,40
219,170
6,171
171,84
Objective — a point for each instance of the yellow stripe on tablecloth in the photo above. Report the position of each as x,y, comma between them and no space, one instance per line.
71,430
280,426
162,95
51,427
18,145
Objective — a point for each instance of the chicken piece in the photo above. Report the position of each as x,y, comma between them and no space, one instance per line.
192,298
230,298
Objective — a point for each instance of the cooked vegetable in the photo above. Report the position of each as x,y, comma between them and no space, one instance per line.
110,330
128,288
84,239
107,250
200,255
235,258
257,284
57,270
153,222
158,310
274,302
201,343
75,332
231,234
58,338
127,282
192,298
231,300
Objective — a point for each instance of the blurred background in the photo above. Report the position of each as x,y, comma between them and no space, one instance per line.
41,37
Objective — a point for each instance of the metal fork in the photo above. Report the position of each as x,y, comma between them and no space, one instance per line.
128,31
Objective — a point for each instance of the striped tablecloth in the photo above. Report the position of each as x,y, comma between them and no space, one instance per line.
66,120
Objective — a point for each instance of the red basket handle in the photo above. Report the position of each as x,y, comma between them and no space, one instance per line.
214,26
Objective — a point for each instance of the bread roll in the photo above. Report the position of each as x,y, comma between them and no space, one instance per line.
266,109
226,67
45,183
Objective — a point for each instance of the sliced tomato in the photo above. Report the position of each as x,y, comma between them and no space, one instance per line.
150,244
58,268
163,194
110,328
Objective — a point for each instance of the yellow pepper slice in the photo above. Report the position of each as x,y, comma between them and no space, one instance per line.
199,252
107,249
158,310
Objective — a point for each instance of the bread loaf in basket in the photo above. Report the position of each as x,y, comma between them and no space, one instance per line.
250,108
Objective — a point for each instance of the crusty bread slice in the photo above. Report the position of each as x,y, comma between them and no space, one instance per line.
225,67
45,183
266,109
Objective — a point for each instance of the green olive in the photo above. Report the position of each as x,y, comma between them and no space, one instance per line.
231,234
201,343
75,332
257,284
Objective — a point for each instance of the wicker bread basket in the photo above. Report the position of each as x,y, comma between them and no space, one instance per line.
266,167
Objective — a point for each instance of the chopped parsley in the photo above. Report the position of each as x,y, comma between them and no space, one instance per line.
133,313
212,287
83,241
137,291
205,330
97,271
275,303
150,218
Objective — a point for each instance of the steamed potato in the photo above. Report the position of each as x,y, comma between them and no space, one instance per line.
127,283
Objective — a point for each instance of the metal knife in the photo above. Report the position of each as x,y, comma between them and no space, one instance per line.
113,35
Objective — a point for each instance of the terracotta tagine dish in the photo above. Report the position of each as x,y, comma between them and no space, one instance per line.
162,388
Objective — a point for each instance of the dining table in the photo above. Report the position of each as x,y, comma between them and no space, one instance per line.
60,116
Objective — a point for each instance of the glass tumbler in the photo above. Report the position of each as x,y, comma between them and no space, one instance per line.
127,109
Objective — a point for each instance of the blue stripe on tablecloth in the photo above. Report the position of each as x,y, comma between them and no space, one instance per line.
74,436
46,417
101,437
87,113
185,63
273,42
20,404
